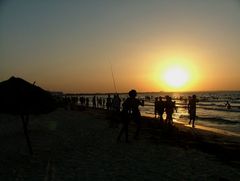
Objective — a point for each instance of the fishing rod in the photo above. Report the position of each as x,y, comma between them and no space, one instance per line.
114,83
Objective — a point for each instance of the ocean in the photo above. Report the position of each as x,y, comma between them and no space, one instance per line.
212,112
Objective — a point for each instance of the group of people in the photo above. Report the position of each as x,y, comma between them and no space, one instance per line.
167,106
109,103
130,111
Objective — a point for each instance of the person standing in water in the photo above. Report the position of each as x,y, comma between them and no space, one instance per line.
192,109
156,107
227,105
130,111
160,110
169,108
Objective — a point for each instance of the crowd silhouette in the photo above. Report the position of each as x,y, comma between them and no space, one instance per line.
126,110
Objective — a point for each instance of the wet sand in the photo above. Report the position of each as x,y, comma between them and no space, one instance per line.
80,145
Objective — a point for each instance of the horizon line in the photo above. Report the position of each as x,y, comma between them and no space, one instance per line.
141,92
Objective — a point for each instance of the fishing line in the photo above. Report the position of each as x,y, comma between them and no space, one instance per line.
114,83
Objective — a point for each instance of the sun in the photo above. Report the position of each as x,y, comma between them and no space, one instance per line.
175,74
176,77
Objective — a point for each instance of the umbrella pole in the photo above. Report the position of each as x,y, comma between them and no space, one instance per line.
25,124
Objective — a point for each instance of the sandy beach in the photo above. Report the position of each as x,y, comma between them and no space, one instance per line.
80,145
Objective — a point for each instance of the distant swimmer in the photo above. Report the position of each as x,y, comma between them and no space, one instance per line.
227,105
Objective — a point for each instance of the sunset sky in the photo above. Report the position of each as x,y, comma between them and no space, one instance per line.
70,46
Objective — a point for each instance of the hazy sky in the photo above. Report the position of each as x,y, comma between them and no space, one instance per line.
70,45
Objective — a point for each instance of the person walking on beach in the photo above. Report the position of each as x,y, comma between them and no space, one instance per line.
131,111
192,109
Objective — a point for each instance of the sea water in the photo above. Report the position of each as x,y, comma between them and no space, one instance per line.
212,111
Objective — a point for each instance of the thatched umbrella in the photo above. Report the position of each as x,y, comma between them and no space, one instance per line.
20,97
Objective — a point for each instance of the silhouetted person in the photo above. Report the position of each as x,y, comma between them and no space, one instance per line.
94,102
115,111
99,102
227,105
169,108
192,110
87,102
160,108
109,102
131,111
104,103
116,103
186,102
156,106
